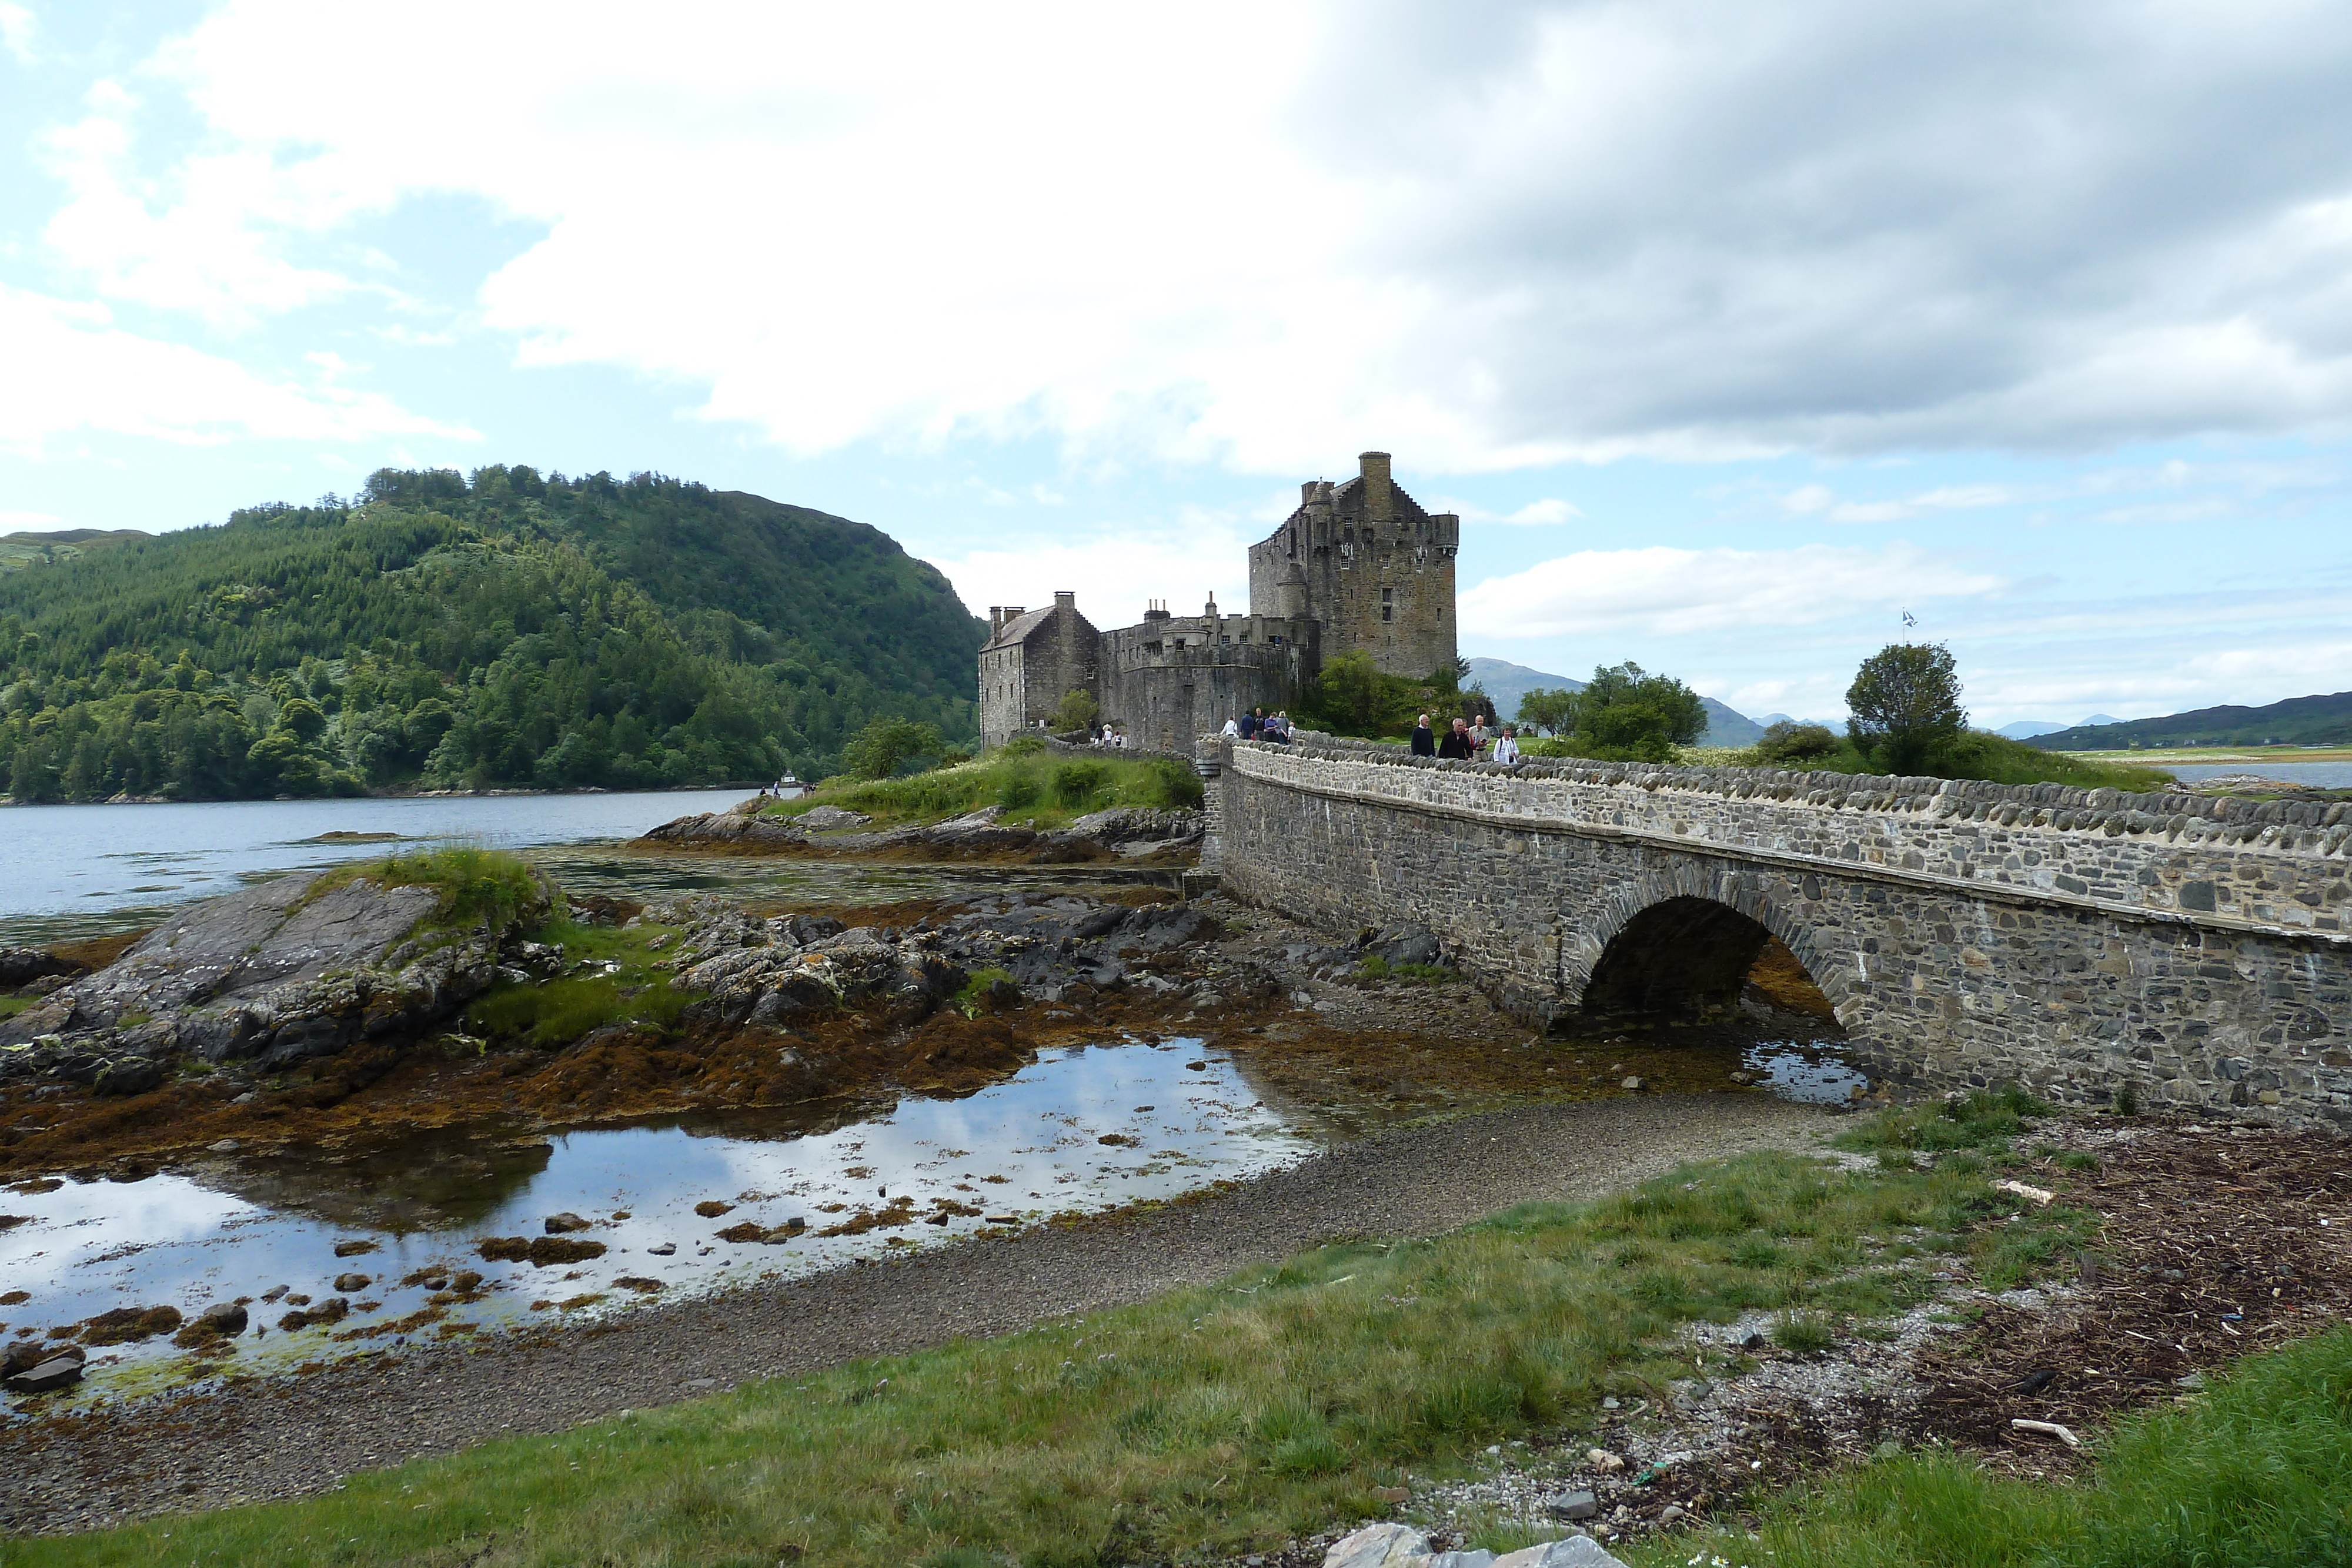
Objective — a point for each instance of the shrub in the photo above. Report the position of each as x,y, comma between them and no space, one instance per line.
887,744
1076,784
1787,742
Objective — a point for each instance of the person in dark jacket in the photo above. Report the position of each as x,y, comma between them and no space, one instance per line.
1250,722
1424,743
1457,743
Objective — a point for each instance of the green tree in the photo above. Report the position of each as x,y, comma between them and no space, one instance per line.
885,744
1547,710
1905,701
1626,713
1352,697
1078,710
302,719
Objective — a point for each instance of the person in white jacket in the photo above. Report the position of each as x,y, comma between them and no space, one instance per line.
1233,729
1507,746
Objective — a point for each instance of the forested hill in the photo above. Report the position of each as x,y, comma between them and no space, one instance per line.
2297,721
506,630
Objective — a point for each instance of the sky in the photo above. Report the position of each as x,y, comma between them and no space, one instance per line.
1744,339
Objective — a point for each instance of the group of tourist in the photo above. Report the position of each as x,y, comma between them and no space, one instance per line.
1258,724
1107,735
1467,740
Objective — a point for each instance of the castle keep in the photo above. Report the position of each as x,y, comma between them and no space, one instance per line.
1359,567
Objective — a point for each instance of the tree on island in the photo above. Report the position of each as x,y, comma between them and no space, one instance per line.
885,744
1627,714
1905,701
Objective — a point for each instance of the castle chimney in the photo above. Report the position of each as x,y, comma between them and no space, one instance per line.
995,620
1379,503
1066,600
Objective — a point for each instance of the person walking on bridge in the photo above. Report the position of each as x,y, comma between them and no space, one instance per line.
1424,743
1507,746
1457,744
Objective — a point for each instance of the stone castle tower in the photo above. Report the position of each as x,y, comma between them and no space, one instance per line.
1359,565
1364,559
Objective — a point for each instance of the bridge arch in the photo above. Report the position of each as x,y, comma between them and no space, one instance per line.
1681,941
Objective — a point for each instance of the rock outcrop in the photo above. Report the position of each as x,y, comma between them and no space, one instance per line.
278,974
1124,833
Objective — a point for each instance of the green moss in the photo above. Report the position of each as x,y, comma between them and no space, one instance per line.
548,1014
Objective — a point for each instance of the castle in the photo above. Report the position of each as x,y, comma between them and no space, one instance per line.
1358,567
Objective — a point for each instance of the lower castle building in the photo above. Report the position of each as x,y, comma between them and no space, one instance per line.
1359,567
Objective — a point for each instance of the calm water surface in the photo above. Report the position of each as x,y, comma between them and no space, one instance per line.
1078,1130
2320,775
70,870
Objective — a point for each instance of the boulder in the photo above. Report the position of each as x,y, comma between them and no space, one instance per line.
1405,945
1575,1551
225,1318
557,1225
1481,1559
62,1370
1380,1546
22,966
24,1355
831,818
1573,1505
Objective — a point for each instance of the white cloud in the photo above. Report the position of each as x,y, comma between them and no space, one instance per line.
1672,592
1480,237
71,369
1819,500
1114,571
1542,513
26,519
20,32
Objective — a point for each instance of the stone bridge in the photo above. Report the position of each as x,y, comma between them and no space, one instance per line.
2073,940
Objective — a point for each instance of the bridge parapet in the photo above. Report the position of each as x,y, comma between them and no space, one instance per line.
2281,866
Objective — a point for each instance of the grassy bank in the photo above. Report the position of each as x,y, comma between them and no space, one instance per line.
2256,1473
1977,754
1215,1420
1036,789
476,886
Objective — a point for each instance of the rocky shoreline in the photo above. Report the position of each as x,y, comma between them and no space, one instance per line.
1136,834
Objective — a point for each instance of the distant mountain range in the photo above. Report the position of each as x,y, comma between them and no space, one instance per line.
2027,728
2297,721
1507,683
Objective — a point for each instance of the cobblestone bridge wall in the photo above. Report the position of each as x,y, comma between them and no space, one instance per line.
1965,933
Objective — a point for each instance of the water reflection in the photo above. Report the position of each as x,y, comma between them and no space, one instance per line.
1079,1130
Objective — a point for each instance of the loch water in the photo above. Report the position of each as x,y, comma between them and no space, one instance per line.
1079,1130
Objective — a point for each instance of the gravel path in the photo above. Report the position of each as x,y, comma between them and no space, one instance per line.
285,1437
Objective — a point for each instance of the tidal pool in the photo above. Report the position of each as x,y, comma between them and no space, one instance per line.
1077,1131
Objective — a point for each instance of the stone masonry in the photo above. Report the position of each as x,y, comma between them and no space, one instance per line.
1966,934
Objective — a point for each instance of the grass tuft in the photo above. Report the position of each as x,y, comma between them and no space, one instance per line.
477,886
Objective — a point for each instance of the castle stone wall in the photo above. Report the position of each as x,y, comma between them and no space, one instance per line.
1966,934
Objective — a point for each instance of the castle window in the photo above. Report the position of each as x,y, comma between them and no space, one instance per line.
1387,604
